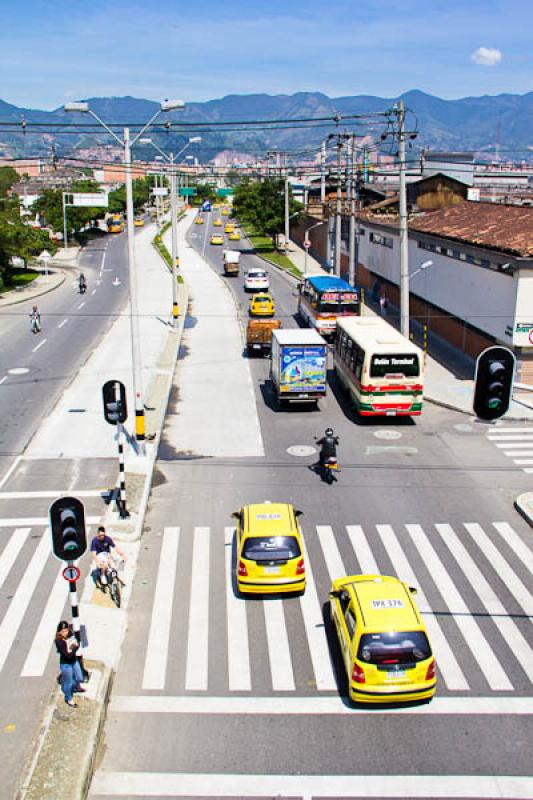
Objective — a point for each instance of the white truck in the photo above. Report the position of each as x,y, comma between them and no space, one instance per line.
231,260
299,365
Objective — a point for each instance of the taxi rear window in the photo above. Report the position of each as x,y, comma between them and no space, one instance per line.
271,548
394,648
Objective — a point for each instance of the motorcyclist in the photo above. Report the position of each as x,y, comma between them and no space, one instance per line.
328,446
35,320
82,282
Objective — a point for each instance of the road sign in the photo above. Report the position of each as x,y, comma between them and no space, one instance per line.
307,244
71,573
90,200
44,256
187,191
224,192
160,191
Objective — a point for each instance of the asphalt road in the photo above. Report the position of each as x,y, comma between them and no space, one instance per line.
34,371
216,696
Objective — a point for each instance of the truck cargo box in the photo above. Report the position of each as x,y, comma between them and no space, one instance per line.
259,335
299,365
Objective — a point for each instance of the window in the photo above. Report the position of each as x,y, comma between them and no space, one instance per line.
394,648
377,238
398,363
344,600
271,548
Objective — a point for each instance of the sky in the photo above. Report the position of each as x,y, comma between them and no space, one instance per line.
54,51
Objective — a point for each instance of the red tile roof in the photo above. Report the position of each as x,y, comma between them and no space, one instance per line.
493,225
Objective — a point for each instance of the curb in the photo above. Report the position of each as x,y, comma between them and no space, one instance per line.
524,506
26,298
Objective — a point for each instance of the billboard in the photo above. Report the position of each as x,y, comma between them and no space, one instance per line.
89,200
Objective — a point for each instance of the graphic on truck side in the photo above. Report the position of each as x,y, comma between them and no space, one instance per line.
303,369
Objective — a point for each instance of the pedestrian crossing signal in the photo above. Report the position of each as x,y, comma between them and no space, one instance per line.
493,384
115,408
67,522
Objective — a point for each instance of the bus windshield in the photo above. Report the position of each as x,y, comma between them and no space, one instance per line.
389,363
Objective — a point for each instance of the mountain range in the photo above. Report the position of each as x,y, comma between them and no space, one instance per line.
475,124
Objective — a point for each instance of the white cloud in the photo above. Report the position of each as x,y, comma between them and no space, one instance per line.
69,92
486,56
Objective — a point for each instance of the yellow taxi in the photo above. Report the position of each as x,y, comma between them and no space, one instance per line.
230,226
199,221
384,644
216,239
234,236
270,552
138,222
217,223
262,305
225,212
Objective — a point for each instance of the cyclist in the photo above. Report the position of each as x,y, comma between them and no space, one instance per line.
103,549
35,320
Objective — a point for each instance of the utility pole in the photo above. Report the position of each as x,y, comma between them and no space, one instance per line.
338,211
323,174
351,246
287,232
404,240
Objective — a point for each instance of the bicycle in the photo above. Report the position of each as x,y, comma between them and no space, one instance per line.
113,582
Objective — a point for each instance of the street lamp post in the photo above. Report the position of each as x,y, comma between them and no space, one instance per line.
306,238
127,143
171,159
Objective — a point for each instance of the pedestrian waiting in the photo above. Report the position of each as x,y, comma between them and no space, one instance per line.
71,674
383,304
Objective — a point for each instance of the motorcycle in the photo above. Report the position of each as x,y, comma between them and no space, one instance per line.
35,325
328,468
83,288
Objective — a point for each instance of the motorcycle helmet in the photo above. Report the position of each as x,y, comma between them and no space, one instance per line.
329,431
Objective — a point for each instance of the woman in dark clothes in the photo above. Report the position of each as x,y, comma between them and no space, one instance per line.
71,674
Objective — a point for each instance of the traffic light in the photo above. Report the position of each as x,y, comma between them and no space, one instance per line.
67,521
115,409
493,384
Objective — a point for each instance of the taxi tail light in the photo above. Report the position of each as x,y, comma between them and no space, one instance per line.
358,674
300,567
432,670
242,569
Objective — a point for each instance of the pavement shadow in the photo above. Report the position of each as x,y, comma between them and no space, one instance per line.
271,401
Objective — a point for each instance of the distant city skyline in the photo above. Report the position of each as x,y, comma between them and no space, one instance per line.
62,51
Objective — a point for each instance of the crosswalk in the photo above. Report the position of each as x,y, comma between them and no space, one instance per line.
475,590
516,443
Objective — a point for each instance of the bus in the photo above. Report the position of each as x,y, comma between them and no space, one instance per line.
381,370
323,299
115,223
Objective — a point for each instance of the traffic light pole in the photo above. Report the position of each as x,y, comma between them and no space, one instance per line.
121,499
73,594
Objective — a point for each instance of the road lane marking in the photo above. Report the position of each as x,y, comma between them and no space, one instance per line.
238,649
155,664
332,704
513,540
63,323
11,551
39,346
22,596
196,675
472,633
510,430
52,493
316,639
512,437
500,616
39,653
13,522
524,462
332,556
10,471
93,291
362,551
499,564
81,305
279,653
528,453
447,663
514,445
348,787
3,380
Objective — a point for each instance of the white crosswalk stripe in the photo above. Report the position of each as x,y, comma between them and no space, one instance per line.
480,557
517,443
447,662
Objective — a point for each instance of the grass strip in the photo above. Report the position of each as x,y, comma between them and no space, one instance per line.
264,247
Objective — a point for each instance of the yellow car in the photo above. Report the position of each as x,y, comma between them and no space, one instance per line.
199,221
225,212
217,239
229,227
270,552
138,222
234,236
383,641
217,223
262,305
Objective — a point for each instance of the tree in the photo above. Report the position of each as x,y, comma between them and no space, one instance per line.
262,204
141,190
50,206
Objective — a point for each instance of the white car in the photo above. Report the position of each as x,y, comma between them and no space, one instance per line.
256,280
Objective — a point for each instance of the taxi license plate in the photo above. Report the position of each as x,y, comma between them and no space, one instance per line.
271,570
396,675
